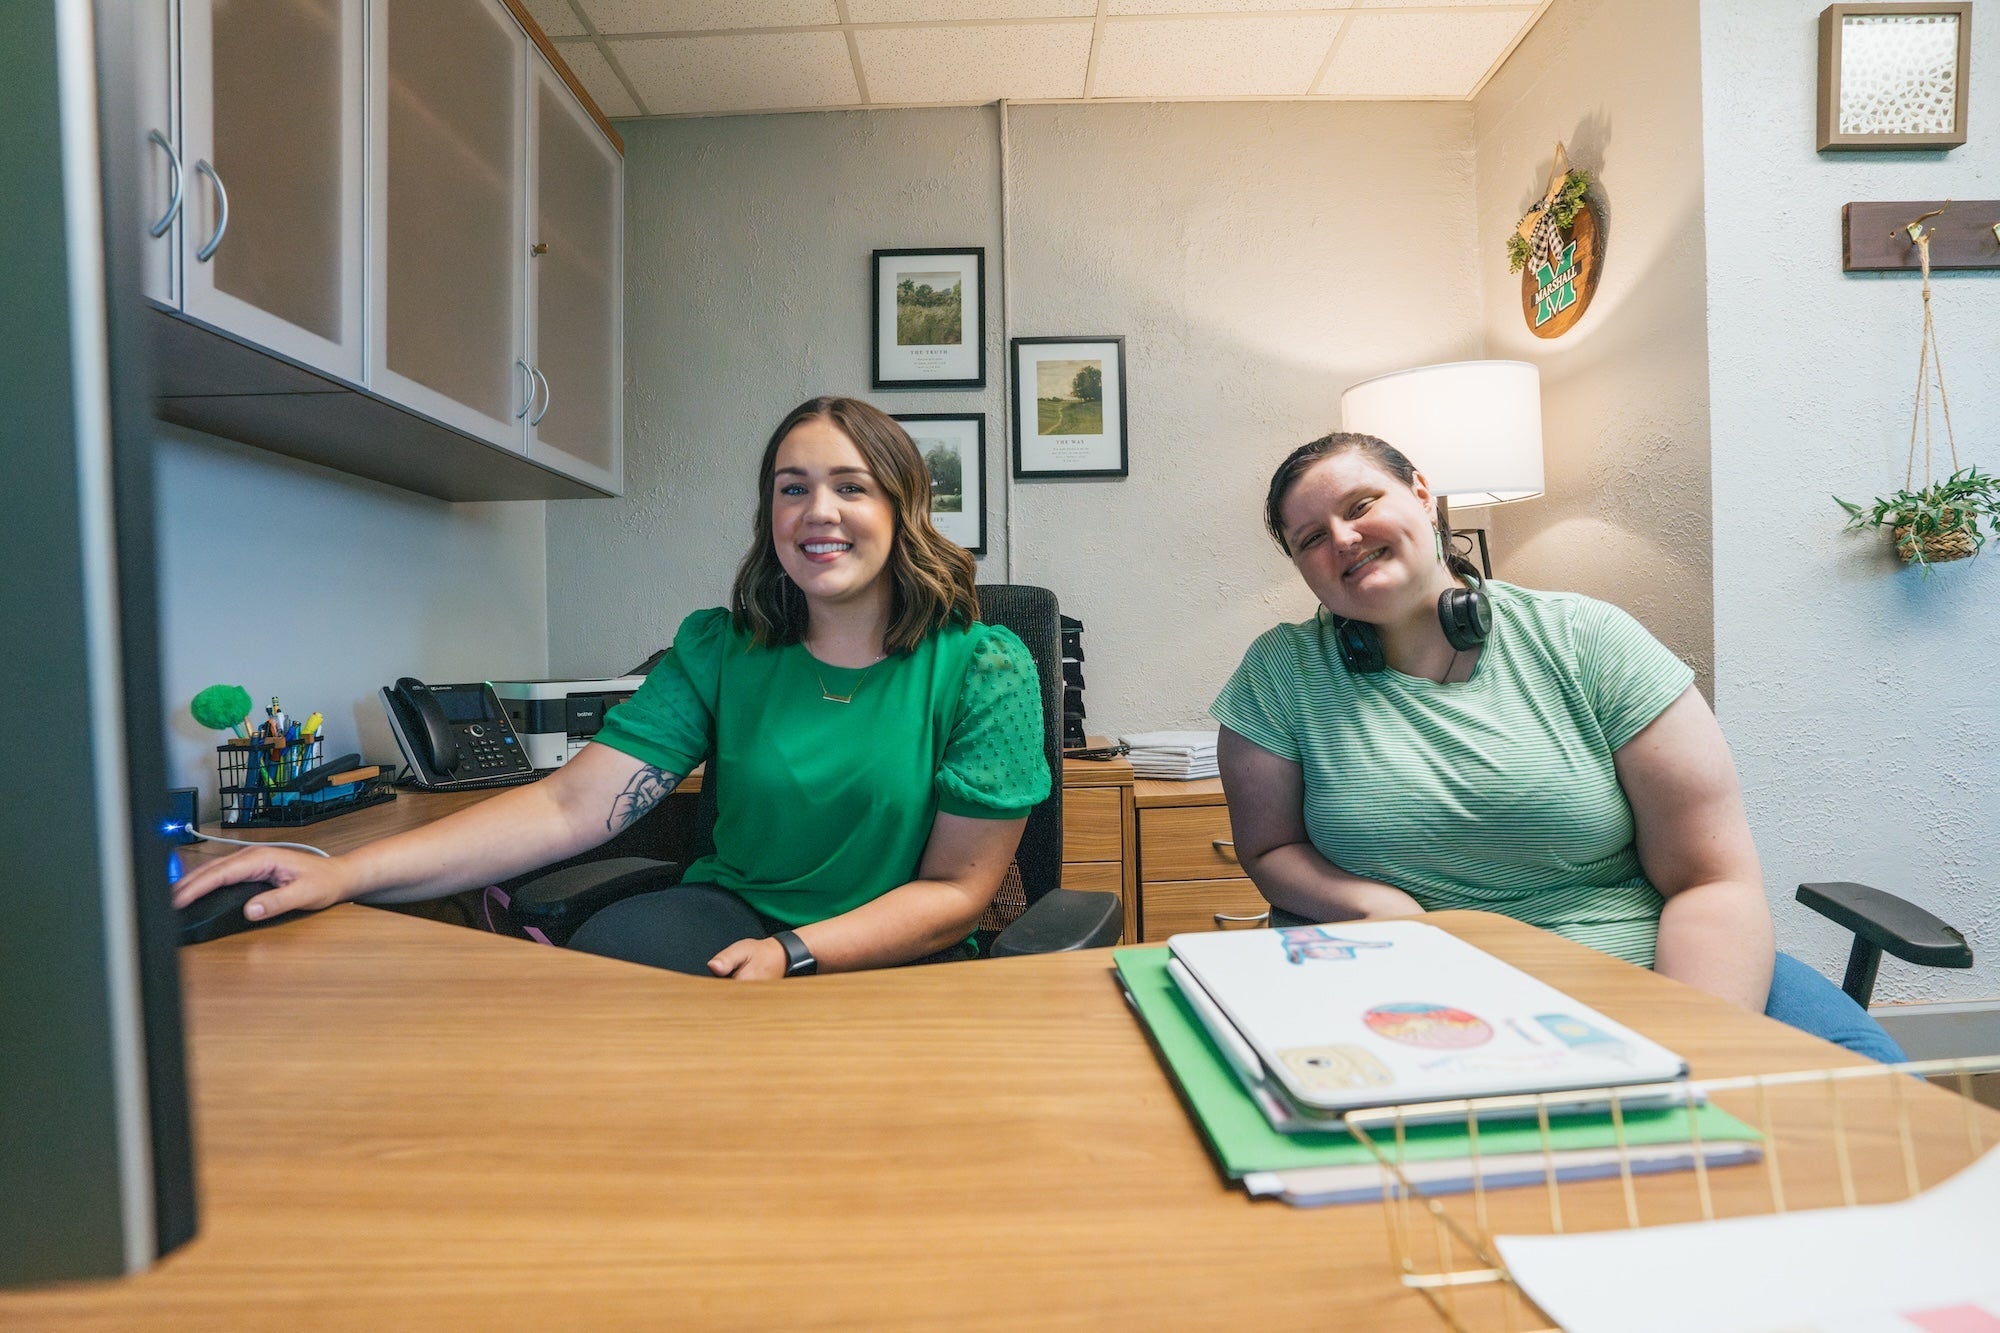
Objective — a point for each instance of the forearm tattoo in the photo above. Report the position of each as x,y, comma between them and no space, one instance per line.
646,789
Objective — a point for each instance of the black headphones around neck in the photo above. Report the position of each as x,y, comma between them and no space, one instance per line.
1464,614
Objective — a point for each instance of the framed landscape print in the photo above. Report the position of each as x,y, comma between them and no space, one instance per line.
930,319
1069,407
953,445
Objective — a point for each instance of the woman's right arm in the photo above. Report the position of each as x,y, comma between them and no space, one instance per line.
1267,818
580,805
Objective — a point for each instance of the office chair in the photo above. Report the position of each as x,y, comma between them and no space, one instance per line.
1031,913
1880,921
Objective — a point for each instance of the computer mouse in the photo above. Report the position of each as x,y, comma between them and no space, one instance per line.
220,913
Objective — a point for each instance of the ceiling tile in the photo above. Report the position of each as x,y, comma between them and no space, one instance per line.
619,16
588,63
975,64
1211,57
1195,7
773,71
555,17
931,11
1387,54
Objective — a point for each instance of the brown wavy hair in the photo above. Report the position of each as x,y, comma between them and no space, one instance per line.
931,577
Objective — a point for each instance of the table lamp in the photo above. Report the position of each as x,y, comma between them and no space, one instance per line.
1473,428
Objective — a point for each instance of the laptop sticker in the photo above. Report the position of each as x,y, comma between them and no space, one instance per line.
1332,1068
1437,1026
1322,945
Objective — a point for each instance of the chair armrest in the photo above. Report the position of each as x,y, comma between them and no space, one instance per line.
558,902
1893,924
1061,920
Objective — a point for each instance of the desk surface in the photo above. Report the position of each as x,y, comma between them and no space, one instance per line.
406,1123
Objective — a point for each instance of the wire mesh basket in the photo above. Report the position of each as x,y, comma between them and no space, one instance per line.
1832,1138
272,784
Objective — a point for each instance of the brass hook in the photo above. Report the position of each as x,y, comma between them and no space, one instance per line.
1913,228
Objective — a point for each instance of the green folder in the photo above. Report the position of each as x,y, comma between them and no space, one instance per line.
1244,1142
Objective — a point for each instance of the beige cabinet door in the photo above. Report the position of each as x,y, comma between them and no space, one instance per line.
447,214
575,248
272,225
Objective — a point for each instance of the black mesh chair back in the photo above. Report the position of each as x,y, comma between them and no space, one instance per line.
1032,614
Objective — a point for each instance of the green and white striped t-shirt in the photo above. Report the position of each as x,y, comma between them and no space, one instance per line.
1496,793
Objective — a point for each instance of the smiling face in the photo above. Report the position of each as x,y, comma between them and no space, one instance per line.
1364,541
833,525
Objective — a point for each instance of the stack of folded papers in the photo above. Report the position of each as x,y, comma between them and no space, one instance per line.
1180,755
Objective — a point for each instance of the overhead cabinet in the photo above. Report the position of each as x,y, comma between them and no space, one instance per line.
392,243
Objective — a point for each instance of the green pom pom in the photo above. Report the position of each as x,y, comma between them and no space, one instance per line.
221,707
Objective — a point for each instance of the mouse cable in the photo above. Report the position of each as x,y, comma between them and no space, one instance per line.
244,842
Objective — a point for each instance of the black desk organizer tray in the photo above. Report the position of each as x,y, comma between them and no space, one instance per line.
284,786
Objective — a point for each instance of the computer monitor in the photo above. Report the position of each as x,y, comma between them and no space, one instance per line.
96,1166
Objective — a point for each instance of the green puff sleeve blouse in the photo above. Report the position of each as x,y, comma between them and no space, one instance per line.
823,806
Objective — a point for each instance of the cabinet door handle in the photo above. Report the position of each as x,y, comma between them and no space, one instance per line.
1223,844
1223,920
159,228
203,255
530,372
546,395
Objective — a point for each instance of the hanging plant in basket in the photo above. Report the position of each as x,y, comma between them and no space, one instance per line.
1939,520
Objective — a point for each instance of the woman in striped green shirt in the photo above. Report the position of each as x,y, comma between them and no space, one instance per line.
1563,771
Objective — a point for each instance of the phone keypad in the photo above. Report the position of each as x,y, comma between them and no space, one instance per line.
487,751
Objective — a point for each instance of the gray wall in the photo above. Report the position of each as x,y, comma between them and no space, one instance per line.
293,580
1861,699
1624,392
1257,257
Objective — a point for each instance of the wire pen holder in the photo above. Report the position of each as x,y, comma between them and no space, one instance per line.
275,784
1830,1138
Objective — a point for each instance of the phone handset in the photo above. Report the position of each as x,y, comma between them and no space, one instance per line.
454,736
439,746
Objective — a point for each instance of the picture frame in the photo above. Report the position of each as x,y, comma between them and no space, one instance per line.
953,446
1894,76
930,318
1060,429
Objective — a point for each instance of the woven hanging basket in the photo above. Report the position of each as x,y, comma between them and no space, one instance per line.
1937,547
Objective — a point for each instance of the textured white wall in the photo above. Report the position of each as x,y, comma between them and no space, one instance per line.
1861,699
1257,257
293,580
1624,392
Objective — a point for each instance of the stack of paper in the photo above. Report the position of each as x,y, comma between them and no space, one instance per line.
1262,1138
1180,755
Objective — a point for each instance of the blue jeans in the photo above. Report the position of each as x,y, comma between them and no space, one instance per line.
1803,999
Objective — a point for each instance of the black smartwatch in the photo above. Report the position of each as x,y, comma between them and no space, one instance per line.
799,960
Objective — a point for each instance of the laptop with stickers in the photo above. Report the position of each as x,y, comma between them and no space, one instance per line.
1382,1013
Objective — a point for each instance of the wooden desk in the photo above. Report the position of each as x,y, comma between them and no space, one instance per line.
1099,828
405,1124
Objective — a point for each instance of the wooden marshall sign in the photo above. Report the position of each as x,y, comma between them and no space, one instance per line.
1558,250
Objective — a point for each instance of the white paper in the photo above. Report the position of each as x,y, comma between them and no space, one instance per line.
1925,1265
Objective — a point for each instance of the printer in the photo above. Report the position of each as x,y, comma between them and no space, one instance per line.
554,718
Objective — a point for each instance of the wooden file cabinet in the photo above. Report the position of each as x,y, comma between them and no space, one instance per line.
1100,832
1189,878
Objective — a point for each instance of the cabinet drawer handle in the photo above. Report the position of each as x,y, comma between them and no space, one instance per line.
203,255
547,397
529,371
1223,920
1223,844
159,228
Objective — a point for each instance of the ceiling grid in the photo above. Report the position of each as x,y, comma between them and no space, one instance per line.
644,58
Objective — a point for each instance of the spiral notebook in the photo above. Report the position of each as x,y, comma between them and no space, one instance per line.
1332,1019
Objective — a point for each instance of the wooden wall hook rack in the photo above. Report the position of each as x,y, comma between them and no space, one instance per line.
1964,235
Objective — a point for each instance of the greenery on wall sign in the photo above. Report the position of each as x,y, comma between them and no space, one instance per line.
1561,210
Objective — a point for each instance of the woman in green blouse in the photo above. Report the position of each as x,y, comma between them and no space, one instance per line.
876,748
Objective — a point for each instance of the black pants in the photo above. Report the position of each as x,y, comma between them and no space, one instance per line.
682,927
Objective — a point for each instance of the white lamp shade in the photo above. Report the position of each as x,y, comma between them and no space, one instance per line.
1473,428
